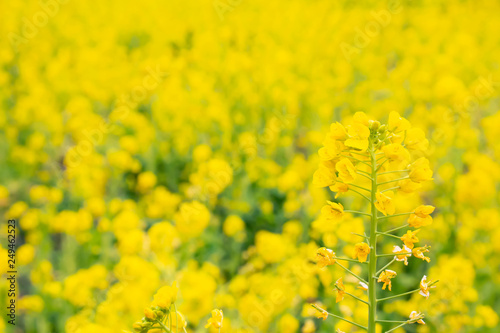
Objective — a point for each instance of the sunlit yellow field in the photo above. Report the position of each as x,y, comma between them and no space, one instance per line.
218,166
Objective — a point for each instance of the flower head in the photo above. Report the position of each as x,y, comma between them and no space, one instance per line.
325,257
323,314
333,211
324,176
402,254
361,251
165,296
425,287
346,170
417,316
339,285
149,314
397,123
420,170
338,132
339,188
418,252
421,216
384,203
216,319
386,277
410,238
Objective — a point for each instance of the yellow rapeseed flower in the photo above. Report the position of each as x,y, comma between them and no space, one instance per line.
361,251
216,319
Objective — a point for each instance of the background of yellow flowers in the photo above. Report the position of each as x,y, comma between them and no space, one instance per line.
146,142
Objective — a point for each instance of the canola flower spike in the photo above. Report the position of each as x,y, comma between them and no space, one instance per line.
385,149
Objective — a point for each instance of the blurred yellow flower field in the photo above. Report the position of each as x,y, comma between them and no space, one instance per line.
214,166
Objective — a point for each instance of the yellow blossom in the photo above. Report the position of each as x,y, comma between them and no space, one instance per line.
402,254
410,238
396,152
384,202
333,211
358,136
346,170
166,296
424,287
337,131
340,290
325,257
397,123
417,316
323,314
361,251
420,170
421,216
386,277
418,252
216,319
324,176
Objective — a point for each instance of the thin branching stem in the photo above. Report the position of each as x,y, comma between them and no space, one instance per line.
390,189
394,215
352,260
394,180
386,234
396,229
339,317
356,212
382,269
362,174
352,273
361,194
392,254
395,171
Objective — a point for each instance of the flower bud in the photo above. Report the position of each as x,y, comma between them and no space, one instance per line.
374,124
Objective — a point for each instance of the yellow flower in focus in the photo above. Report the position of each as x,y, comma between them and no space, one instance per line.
424,287
340,290
386,277
346,170
339,188
396,152
407,186
417,316
332,148
165,296
420,170
216,320
396,123
333,211
418,252
361,251
338,132
324,176
410,238
402,254
358,136
421,216
325,257
384,202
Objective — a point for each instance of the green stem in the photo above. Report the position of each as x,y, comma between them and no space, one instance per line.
361,174
386,234
360,187
347,259
164,327
387,172
372,267
395,296
361,194
339,317
395,328
357,160
394,215
352,273
365,237
390,189
394,180
396,229
356,212
382,269
392,321
357,298
380,165
392,254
